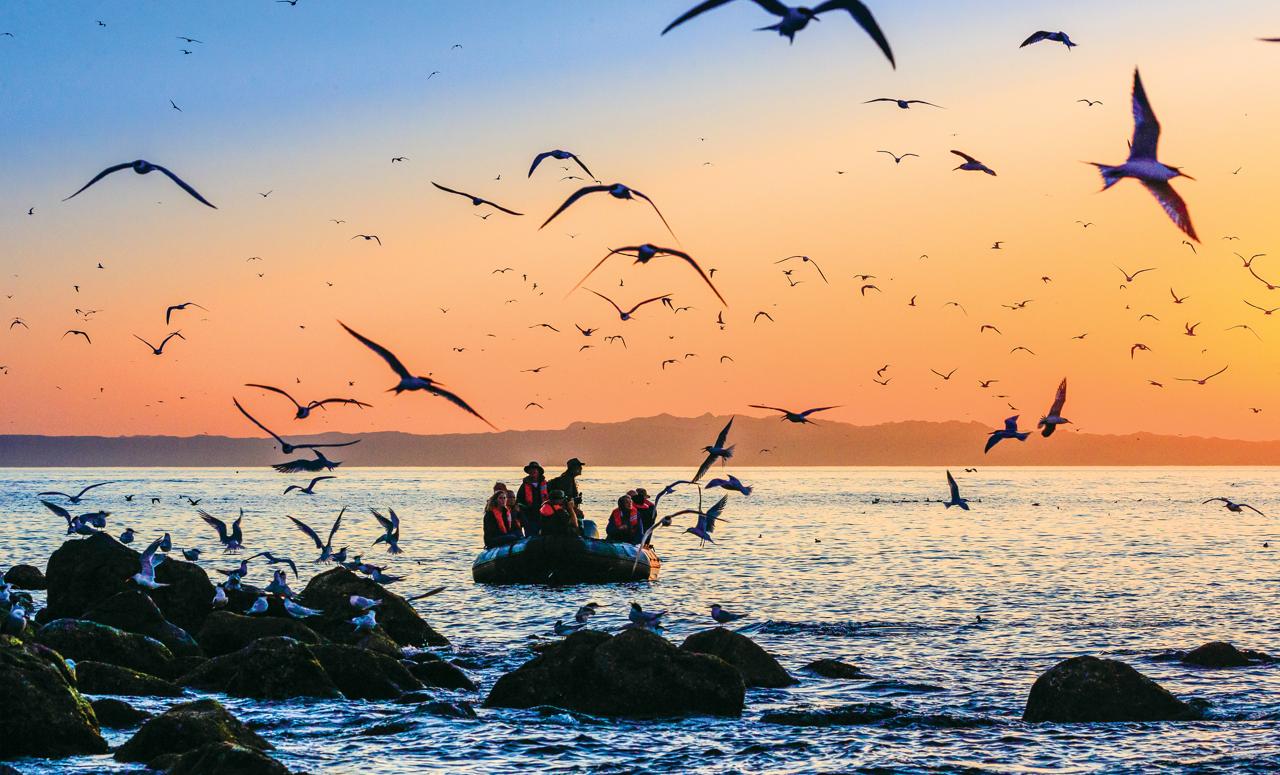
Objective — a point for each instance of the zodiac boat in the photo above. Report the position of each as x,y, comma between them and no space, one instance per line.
554,559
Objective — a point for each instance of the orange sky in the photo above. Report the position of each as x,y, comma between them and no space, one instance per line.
778,122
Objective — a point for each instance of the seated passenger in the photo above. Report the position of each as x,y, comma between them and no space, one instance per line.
645,508
557,517
500,524
624,523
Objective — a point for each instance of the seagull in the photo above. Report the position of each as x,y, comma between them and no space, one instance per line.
722,616
1249,261
898,159
305,411
1143,166
174,105
955,500
1246,328
395,159
74,499
475,200
1128,278
1202,381
1176,298
169,310
1233,507
561,156
146,575
806,260
77,332
1054,417
319,463
904,104
1057,37
1009,431
760,314
285,446
259,606
1088,103
1138,346
795,19
326,548
1190,328
219,597
625,316
973,165
796,417
643,255
617,191
732,483
309,489
410,382
391,531
142,167
945,377
716,451
160,350
1263,310
299,611
1256,276
367,237
707,520
232,541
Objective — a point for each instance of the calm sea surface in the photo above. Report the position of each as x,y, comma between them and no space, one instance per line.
1057,562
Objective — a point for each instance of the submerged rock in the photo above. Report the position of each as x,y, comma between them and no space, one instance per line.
41,713
118,714
225,759
100,678
758,667
331,592
1089,689
25,577
361,674
132,611
635,673
83,640
434,671
186,727
834,668
224,632
268,669
844,715
1222,654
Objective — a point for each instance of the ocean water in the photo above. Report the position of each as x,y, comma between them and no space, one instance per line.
1123,563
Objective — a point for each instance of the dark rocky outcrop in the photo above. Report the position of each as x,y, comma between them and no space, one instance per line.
1221,654
834,668
83,640
186,727
331,591
41,713
635,673
225,759
25,577
1089,689
843,716
224,632
361,674
448,709
101,678
434,671
117,714
267,669
133,611
758,667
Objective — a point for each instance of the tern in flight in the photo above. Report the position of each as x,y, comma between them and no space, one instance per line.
1249,261
898,159
796,417
475,200
1128,278
77,332
1143,166
304,410
232,541
142,167
285,446
1009,431
367,237
617,191
625,316
1263,310
1053,418
1233,507
1176,298
955,500
561,156
325,547
945,377
646,253
146,575
806,260
795,19
391,531
904,104
1057,37
170,310
410,381
973,165
1202,381
716,451
160,350
309,489
74,499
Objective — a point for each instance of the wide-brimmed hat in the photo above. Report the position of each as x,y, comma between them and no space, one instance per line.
532,465
556,495
574,462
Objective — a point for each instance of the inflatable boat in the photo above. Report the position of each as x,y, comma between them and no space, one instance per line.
565,560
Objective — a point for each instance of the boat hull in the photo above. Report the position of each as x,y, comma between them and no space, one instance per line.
565,560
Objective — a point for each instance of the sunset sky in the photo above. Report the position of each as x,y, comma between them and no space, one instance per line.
737,136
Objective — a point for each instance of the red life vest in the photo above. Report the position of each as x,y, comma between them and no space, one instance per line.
633,519
500,516
533,493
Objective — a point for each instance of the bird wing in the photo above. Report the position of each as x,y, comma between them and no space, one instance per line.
90,487
148,559
1059,399
274,390
451,190
56,509
1251,508
1146,129
821,273
165,341
574,156
575,196
702,469
712,514
992,440
606,298
862,15
183,185
306,529
656,210
724,433
770,408
215,523
319,479
144,341
254,420
808,412
314,447
1036,37
593,269
955,488
103,174
336,524
1011,424
965,156
1211,500
347,401
688,259
698,10
494,205
457,400
1216,373
1173,206
536,161
383,352
648,301
387,525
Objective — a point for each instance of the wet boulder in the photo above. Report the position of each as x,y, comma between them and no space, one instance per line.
225,759
25,577
100,678
758,667
188,597
842,716
41,712
268,669
635,673
83,640
834,668
1089,689
361,674
331,592
117,714
224,632
434,671
186,727
1221,654
133,611
84,571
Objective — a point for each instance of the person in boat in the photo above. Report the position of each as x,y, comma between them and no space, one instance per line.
530,497
567,483
501,525
624,523
558,517
645,509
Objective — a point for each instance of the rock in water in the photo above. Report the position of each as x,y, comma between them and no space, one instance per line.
635,673
118,714
224,632
99,678
267,669
41,713
186,727
843,716
834,668
1089,689
331,591
89,641
434,671
364,675
758,667
1221,654
226,759
133,611
25,577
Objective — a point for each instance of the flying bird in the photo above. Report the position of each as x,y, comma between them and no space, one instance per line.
391,531
904,104
1053,418
898,159
1009,431
1234,507
304,410
232,540
367,237
796,417
175,307
1057,37
285,446
626,315
806,260
1130,277
561,156
142,167
475,200
1202,381
716,451
646,253
617,191
73,499
325,547
973,165
309,489
160,350
955,500
76,332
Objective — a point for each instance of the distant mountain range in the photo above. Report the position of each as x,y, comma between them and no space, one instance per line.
657,441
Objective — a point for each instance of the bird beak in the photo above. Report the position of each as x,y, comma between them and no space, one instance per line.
1185,175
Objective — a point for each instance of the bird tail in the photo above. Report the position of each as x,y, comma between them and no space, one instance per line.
746,490
1110,174
1022,436
947,504
728,453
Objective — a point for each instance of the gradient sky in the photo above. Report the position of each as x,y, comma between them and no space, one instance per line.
312,101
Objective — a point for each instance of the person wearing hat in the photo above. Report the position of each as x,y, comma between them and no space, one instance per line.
567,483
530,497
558,517
644,509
